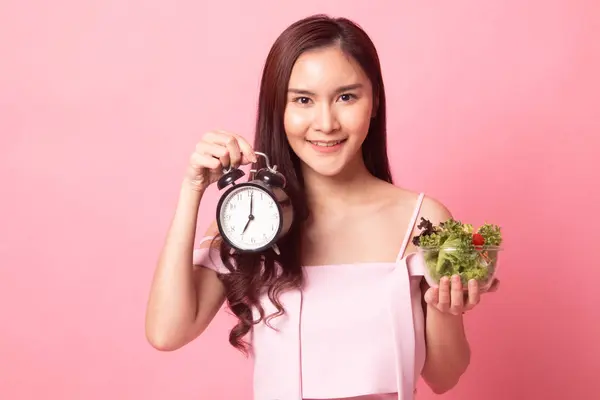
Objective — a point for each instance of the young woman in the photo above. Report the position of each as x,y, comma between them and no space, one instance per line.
342,311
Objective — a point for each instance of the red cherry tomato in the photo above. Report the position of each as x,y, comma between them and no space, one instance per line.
478,240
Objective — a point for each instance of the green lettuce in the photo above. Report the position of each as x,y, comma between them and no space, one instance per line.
448,250
491,233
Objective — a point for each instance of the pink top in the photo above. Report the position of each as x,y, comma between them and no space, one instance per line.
355,331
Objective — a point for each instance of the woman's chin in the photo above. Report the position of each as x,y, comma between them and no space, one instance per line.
327,168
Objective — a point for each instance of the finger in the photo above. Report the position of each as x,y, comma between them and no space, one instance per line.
212,139
216,151
456,295
444,294
431,296
211,149
235,154
248,154
474,294
199,161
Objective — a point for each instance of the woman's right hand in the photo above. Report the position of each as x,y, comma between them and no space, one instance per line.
217,150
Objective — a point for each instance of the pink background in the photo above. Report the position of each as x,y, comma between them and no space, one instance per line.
493,109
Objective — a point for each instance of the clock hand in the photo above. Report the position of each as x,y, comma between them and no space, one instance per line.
251,202
246,227
250,217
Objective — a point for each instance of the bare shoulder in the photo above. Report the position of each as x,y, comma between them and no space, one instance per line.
431,208
434,210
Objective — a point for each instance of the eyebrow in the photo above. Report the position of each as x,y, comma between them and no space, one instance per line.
337,91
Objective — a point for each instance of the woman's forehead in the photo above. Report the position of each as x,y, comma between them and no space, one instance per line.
325,69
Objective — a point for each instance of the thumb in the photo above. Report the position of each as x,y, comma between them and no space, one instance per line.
248,159
431,295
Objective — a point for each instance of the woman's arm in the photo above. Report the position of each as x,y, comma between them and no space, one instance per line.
448,351
183,300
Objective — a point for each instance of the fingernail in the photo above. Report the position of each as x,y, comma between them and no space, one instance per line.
456,278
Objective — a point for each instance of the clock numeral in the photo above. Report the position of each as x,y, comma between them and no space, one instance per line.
239,196
274,216
252,240
231,206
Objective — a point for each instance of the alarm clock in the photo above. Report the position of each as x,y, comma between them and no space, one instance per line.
252,216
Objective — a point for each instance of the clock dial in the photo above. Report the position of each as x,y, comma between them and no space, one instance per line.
249,218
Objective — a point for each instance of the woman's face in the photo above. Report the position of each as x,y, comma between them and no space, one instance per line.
328,111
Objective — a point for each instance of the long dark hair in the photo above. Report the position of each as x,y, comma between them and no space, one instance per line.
251,275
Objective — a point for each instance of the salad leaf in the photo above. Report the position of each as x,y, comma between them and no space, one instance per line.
491,233
448,249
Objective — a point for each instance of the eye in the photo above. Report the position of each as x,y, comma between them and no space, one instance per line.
347,97
302,100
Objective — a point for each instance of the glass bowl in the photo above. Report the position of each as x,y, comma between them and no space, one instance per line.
473,262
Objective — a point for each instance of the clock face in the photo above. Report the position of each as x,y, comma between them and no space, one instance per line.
249,218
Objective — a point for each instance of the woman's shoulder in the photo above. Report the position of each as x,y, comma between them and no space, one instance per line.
429,206
434,210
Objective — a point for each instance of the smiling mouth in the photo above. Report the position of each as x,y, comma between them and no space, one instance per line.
328,143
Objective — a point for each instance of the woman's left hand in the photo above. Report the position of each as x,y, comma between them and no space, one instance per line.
450,297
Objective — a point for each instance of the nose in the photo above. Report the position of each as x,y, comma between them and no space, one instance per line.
325,119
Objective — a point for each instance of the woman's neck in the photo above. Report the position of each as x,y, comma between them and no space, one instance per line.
350,187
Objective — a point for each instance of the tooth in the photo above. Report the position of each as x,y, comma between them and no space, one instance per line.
326,144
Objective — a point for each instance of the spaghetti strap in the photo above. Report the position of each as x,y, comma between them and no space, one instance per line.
208,257
206,239
411,226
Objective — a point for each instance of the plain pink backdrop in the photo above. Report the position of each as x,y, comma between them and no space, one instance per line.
493,109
